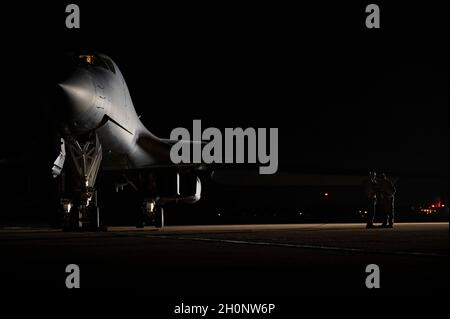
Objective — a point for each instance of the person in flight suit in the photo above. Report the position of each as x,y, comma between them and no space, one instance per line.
371,188
386,191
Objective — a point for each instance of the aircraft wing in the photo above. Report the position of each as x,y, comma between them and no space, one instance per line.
252,178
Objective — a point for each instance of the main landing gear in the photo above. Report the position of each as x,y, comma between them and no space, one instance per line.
152,214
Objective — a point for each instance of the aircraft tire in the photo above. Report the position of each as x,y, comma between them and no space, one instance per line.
159,218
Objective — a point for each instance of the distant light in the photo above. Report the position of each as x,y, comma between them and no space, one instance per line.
442,205
325,194
432,205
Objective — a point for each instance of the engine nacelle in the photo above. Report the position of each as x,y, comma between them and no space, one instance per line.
181,188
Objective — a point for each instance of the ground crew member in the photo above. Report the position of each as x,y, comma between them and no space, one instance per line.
370,185
386,199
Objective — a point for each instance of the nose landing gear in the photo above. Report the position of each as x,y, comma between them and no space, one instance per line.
80,212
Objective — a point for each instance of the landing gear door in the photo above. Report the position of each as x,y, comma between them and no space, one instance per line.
59,162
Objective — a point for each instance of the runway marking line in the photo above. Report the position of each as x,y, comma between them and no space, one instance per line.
289,245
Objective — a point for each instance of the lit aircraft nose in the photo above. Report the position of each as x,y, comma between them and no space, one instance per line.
78,93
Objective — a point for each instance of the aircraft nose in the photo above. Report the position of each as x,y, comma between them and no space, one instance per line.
77,93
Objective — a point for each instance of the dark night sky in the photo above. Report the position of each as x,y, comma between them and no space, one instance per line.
343,97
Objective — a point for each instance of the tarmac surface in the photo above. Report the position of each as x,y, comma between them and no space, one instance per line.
301,261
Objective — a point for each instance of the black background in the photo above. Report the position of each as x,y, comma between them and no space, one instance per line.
345,98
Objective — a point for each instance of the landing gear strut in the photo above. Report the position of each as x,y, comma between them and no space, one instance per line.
80,211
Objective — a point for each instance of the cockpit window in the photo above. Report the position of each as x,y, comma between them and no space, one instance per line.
88,58
110,65
95,60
